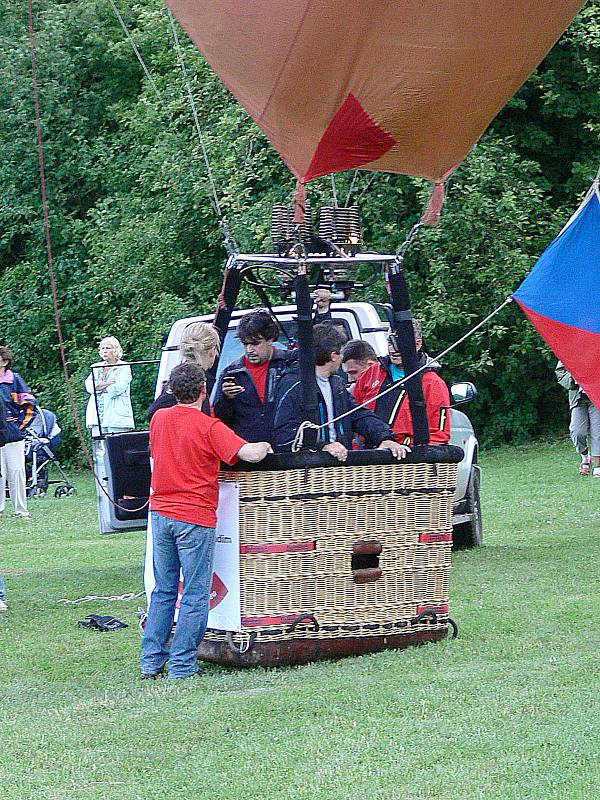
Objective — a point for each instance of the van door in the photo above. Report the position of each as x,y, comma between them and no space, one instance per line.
122,460
124,472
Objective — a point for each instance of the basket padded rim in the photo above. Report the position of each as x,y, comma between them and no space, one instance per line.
425,454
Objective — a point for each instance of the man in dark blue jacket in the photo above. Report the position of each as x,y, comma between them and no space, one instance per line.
245,397
333,400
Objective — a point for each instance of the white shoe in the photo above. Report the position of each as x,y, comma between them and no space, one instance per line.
596,472
23,514
3,606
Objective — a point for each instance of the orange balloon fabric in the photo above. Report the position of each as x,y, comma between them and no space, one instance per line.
395,85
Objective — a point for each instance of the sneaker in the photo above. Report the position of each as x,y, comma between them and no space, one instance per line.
27,515
596,472
584,468
3,606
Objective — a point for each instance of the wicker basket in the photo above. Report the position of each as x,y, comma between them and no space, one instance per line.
307,588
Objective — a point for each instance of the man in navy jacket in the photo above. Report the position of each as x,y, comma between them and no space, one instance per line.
333,400
245,398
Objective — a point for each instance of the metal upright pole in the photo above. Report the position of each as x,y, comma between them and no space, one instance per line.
306,358
403,328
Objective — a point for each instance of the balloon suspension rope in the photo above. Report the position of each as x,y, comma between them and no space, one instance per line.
230,243
229,240
40,149
298,440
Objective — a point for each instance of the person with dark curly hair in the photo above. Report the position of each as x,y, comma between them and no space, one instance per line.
247,387
19,407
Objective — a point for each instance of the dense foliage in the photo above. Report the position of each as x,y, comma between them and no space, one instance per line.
135,239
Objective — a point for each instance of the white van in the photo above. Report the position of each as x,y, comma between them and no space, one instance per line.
127,467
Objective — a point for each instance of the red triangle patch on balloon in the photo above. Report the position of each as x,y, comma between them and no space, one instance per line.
352,139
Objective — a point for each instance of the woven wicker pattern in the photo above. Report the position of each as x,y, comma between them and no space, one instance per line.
334,508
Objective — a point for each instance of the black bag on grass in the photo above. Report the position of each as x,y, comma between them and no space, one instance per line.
98,622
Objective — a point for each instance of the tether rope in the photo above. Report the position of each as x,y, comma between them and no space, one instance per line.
61,345
137,52
365,187
401,251
108,598
298,439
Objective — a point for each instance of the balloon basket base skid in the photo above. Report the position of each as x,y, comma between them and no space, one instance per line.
297,651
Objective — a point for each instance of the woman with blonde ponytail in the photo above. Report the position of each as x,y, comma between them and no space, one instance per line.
199,344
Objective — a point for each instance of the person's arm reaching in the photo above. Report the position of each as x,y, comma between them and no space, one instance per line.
368,425
228,446
253,452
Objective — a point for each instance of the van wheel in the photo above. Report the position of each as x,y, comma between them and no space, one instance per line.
470,534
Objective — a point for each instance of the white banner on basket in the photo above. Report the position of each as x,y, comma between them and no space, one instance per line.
224,613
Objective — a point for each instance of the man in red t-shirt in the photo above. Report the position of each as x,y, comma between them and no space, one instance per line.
186,448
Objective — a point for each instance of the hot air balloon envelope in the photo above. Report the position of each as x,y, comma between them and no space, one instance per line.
402,86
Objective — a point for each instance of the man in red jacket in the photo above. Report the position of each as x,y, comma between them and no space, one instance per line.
393,407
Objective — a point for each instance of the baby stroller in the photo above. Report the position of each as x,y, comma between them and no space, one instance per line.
42,437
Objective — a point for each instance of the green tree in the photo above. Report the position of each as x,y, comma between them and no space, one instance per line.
135,239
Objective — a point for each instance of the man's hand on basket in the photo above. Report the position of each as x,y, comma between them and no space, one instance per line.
397,450
337,450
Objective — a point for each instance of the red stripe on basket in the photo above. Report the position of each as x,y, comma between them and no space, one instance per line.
289,547
435,537
282,619
443,609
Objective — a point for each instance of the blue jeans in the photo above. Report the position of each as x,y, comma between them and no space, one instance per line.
189,547
1,588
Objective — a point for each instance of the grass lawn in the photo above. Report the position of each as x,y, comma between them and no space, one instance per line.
508,710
